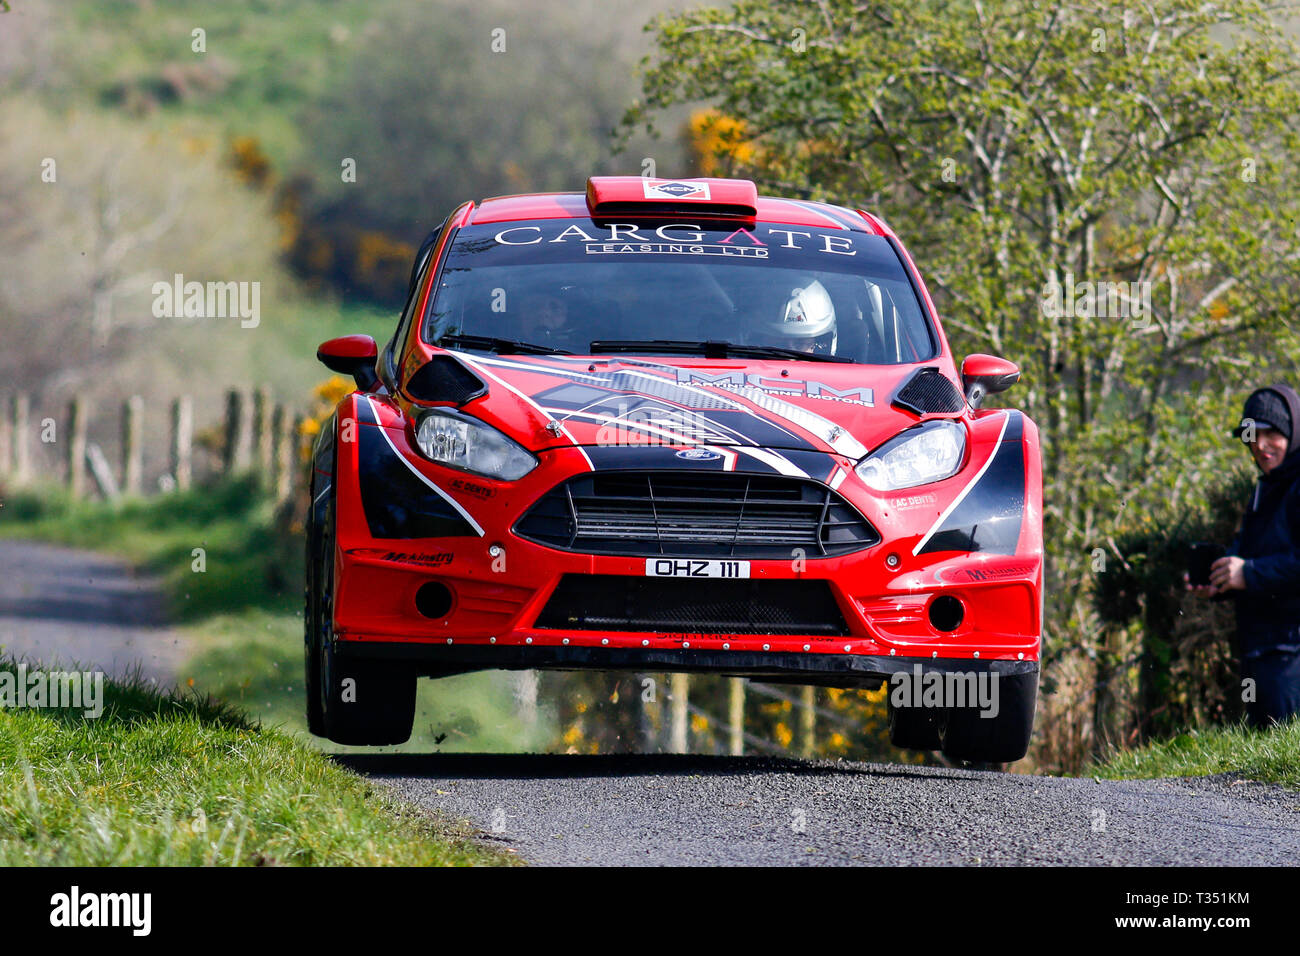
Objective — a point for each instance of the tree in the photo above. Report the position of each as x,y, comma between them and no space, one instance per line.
466,100
1026,152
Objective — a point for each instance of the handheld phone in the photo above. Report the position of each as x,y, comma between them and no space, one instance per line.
1200,556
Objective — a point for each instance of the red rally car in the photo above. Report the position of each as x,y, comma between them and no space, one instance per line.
673,425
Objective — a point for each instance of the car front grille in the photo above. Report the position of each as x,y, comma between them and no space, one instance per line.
611,602
693,514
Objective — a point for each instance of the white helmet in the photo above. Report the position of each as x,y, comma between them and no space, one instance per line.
808,320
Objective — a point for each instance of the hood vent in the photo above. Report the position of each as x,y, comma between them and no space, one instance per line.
929,392
444,381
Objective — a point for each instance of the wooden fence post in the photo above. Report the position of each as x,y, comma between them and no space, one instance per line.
132,440
20,440
263,436
297,470
525,693
679,720
808,721
236,450
736,715
281,453
76,449
6,445
182,445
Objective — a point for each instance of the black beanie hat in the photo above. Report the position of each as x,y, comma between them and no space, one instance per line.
1266,409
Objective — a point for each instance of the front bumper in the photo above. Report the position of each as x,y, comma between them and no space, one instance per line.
834,670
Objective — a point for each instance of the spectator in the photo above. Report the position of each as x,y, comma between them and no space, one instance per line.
1261,570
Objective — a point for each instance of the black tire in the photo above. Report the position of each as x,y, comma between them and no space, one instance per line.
312,626
1002,738
915,728
366,703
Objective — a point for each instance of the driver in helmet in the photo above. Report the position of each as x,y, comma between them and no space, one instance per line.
807,323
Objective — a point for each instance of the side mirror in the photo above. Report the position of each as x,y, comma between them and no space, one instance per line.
353,355
986,375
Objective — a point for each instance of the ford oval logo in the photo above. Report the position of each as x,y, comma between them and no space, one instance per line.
698,454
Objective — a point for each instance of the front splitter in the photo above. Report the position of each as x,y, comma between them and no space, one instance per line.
846,670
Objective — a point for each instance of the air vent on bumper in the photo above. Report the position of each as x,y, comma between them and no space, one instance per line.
611,602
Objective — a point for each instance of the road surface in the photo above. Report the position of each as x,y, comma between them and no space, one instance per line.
680,810
70,607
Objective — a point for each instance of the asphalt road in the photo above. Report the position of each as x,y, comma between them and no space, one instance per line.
69,607
678,810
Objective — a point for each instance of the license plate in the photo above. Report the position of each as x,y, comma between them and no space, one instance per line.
691,568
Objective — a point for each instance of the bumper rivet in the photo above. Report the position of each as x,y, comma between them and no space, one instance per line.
893,651
847,648
934,653
726,647
977,653
492,640
604,640
449,640
645,643
566,640
767,647
807,647
686,644
528,640
1020,656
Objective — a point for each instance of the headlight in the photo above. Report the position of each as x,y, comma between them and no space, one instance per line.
918,456
459,441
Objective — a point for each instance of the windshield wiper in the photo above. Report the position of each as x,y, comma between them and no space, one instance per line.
501,346
712,349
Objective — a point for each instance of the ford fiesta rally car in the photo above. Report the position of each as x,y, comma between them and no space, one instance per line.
675,426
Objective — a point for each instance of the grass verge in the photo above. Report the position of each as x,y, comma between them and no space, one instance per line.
1271,756
160,779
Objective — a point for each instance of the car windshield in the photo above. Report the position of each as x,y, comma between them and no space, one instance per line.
564,284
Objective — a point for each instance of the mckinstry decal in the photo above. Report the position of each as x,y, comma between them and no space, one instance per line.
433,559
741,380
953,575
672,189
678,237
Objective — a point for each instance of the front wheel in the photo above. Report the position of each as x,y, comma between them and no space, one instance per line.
349,701
1001,736
369,703
914,728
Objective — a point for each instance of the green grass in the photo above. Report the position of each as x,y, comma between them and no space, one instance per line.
159,779
1271,756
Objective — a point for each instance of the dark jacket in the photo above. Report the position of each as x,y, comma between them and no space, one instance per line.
1268,610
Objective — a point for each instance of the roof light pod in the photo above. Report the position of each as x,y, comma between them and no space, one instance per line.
734,200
